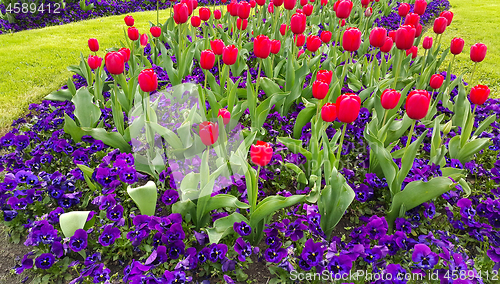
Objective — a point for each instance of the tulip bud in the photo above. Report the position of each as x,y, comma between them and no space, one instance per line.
252,3
217,46
479,94
181,13
155,31
270,8
298,23
225,114
94,62
283,29
313,43
261,153
427,43
261,46
278,3
290,4
417,104
308,9
125,52
195,21
129,21
261,2
413,51
204,14
229,54
343,9
144,40
323,2
368,12
378,36
148,80
326,36
114,63
418,30
390,98
404,9
478,52
351,40
93,45
412,19
303,2
320,89
436,81
217,14
325,76
387,45
448,15
241,24
207,59
342,22
457,45
133,33
244,10
275,46
299,39
419,7
328,112
348,106
300,53
440,24
447,127
405,36
364,3
209,132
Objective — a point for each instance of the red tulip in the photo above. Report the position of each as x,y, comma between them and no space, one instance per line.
343,9
351,40
244,10
328,112
241,24
207,59
261,46
303,2
313,43
478,52
326,36
125,52
320,89
420,6
387,45
405,36
325,76
93,44
290,4
217,46
392,34
364,3
275,46
94,62
209,132
457,45
191,5
225,114
342,22
129,20
261,153
418,30
479,94
308,9
299,39
300,53
232,8
133,33
348,106
369,12
114,63
252,3
181,13
148,80
412,19
204,14
144,40
323,2
283,29
261,2
377,37
427,43
155,31
404,9
448,15
298,23
413,51
195,21
277,3
436,81
270,8
217,14
440,24
417,104
229,54
390,98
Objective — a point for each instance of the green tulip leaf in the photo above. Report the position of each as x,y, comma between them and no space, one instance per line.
144,197
72,221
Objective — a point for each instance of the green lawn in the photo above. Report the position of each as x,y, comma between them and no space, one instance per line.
476,21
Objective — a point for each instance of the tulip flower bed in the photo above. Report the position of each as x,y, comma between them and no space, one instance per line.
269,147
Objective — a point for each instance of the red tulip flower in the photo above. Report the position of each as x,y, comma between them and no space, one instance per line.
209,132
129,20
125,52
478,52
278,3
283,29
181,13
351,40
413,51
244,10
229,54
94,62
303,2
404,9
328,112
377,37
320,89
252,3
369,12
326,36
387,45
440,24
418,30
207,59
298,23
323,2
232,8
241,24
457,45
308,9
420,6
299,40
448,15
270,8
93,45
427,43
405,36
325,76
343,9
364,3
133,33
261,153
313,43
144,40
195,21
290,4
148,80
217,14
261,2
392,35
261,46
225,114
217,46
390,98
275,46
417,104
348,106
204,14
479,94
155,31
436,81
412,19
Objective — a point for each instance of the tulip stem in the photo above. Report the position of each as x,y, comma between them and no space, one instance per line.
472,75
158,12
255,192
339,150
258,77
423,62
385,117
398,67
218,69
474,111
206,77
411,133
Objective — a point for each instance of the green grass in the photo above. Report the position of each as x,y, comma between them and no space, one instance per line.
475,21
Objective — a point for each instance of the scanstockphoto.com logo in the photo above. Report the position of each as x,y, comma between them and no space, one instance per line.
361,275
